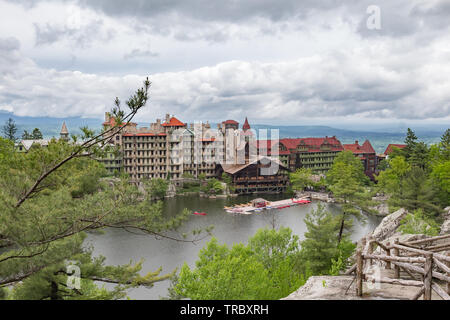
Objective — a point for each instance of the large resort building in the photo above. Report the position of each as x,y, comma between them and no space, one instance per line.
171,149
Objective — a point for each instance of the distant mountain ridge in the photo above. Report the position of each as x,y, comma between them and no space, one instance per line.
50,127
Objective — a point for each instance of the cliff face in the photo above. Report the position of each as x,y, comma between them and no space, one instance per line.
343,287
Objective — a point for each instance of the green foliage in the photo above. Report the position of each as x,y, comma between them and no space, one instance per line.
187,175
418,223
346,179
345,250
418,176
89,182
410,141
390,179
267,268
301,178
227,178
9,130
37,134
26,135
213,186
158,187
321,246
440,177
347,160
42,224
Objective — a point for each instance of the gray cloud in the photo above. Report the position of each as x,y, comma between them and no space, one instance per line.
208,20
399,72
325,86
82,36
138,53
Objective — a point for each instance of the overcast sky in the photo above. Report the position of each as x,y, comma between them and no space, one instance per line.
297,62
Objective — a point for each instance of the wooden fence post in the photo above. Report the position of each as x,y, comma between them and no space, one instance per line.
359,273
396,253
428,279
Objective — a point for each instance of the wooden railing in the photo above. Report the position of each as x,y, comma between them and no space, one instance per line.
420,259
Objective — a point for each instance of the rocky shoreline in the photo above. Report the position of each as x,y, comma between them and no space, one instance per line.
340,287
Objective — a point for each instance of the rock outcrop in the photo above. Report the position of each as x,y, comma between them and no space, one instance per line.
343,287
388,226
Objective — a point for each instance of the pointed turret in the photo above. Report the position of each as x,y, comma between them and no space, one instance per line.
246,125
64,134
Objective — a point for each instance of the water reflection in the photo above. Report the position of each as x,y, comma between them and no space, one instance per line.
119,246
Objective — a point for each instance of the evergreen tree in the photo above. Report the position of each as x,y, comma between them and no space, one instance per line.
9,130
417,192
37,134
410,141
267,268
26,135
419,156
346,180
444,146
48,201
321,246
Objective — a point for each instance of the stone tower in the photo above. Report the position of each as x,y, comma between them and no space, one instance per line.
64,134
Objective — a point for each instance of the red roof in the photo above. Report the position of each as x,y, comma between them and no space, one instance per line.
389,148
174,122
313,144
246,125
144,134
231,122
368,146
265,146
357,149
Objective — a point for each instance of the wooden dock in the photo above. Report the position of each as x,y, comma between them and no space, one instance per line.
281,204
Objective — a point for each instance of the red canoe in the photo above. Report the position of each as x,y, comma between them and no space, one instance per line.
200,213
302,201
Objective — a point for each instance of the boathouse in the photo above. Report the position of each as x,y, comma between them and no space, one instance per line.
261,175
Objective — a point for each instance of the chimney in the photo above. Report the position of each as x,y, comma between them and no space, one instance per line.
107,116
356,142
167,118
158,122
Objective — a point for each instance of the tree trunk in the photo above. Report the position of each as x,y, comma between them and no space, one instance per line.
341,231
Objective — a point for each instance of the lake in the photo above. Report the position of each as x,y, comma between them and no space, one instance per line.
119,246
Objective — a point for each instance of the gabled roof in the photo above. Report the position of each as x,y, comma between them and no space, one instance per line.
235,168
27,144
313,144
390,147
174,122
357,149
368,146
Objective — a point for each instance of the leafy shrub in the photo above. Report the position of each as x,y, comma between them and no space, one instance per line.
418,223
